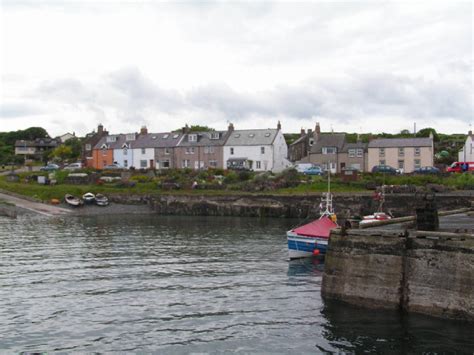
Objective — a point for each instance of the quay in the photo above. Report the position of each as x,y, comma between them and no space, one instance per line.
394,267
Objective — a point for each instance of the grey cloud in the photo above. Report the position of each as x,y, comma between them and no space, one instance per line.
16,110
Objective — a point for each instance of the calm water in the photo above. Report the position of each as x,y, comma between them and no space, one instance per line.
180,285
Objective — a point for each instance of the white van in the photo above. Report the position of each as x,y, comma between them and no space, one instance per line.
301,167
73,166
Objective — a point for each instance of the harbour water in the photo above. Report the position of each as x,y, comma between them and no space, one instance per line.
181,285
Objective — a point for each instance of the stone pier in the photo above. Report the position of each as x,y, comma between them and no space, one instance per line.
415,271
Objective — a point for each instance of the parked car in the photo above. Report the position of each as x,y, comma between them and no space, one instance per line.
426,170
315,170
49,167
301,167
460,167
73,166
386,169
112,166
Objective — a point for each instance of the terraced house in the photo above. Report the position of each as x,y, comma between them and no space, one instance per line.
201,150
406,154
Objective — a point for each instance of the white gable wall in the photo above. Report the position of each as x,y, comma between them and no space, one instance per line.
467,153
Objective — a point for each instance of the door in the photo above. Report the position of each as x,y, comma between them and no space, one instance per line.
152,162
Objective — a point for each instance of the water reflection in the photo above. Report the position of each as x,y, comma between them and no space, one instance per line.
313,266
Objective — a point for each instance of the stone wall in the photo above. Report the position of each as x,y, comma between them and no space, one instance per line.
305,206
433,276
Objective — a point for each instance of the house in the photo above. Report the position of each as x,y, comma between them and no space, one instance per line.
201,150
35,148
165,149
332,152
467,151
103,151
256,149
66,136
300,148
407,154
90,140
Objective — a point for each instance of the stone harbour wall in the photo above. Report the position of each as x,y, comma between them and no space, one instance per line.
430,275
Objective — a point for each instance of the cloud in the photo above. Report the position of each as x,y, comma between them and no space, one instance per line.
15,110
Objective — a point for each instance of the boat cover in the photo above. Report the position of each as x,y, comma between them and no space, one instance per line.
318,228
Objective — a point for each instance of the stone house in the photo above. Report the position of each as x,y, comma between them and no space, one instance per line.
467,151
256,149
35,148
300,148
201,150
406,154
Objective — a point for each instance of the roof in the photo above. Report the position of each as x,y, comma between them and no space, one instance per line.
204,139
400,142
38,142
300,139
252,137
358,145
318,228
157,140
329,140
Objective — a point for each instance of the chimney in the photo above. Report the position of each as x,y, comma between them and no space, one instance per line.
302,132
143,130
470,133
100,128
279,126
317,132
231,127
310,131
185,129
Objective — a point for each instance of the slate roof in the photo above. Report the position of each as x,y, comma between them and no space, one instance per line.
400,142
300,139
252,137
158,140
329,140
358,145
38,142
204,139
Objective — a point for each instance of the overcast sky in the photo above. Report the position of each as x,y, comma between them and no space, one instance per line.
352,66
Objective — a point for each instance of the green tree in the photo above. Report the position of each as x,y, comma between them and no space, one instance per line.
76,146
425,132
62,152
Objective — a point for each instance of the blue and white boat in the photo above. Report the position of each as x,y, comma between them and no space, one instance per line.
312,239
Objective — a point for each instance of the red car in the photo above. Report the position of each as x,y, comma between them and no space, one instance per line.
461,167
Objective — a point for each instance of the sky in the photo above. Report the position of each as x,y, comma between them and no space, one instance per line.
372,66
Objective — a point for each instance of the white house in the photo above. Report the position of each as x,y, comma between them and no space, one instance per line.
256,149
467,152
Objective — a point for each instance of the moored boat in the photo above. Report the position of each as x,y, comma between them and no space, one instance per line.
312,238
88,198
379,215
101,200
73,200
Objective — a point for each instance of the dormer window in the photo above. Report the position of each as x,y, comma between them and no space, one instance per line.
111,139
166,136
251,135
192,138
215,135
130,137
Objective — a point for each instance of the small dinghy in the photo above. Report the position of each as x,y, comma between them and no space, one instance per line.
88,198
101,200
73,201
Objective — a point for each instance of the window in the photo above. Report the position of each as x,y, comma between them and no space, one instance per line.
215,135
381,152
143,150
125,163
192,138
267,134
88,147
190,150
125,151
311,141
186,163
166,136
251,135
165,164
401,152
237,135
417,163
130,137
355,166
231,151
167,151
329,150
143,163
417,152
360,153
352,153
258,165
208,149
175,136
262,150
111,139
213,163
382,162
401,164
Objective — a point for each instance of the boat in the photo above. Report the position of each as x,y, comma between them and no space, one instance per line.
88,198
311,239
379,215
73,201
101,200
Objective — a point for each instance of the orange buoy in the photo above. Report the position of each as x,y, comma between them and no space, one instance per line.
316,252
54,201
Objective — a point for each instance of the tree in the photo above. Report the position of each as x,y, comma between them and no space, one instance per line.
62,152
425,132
76,147
197,128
